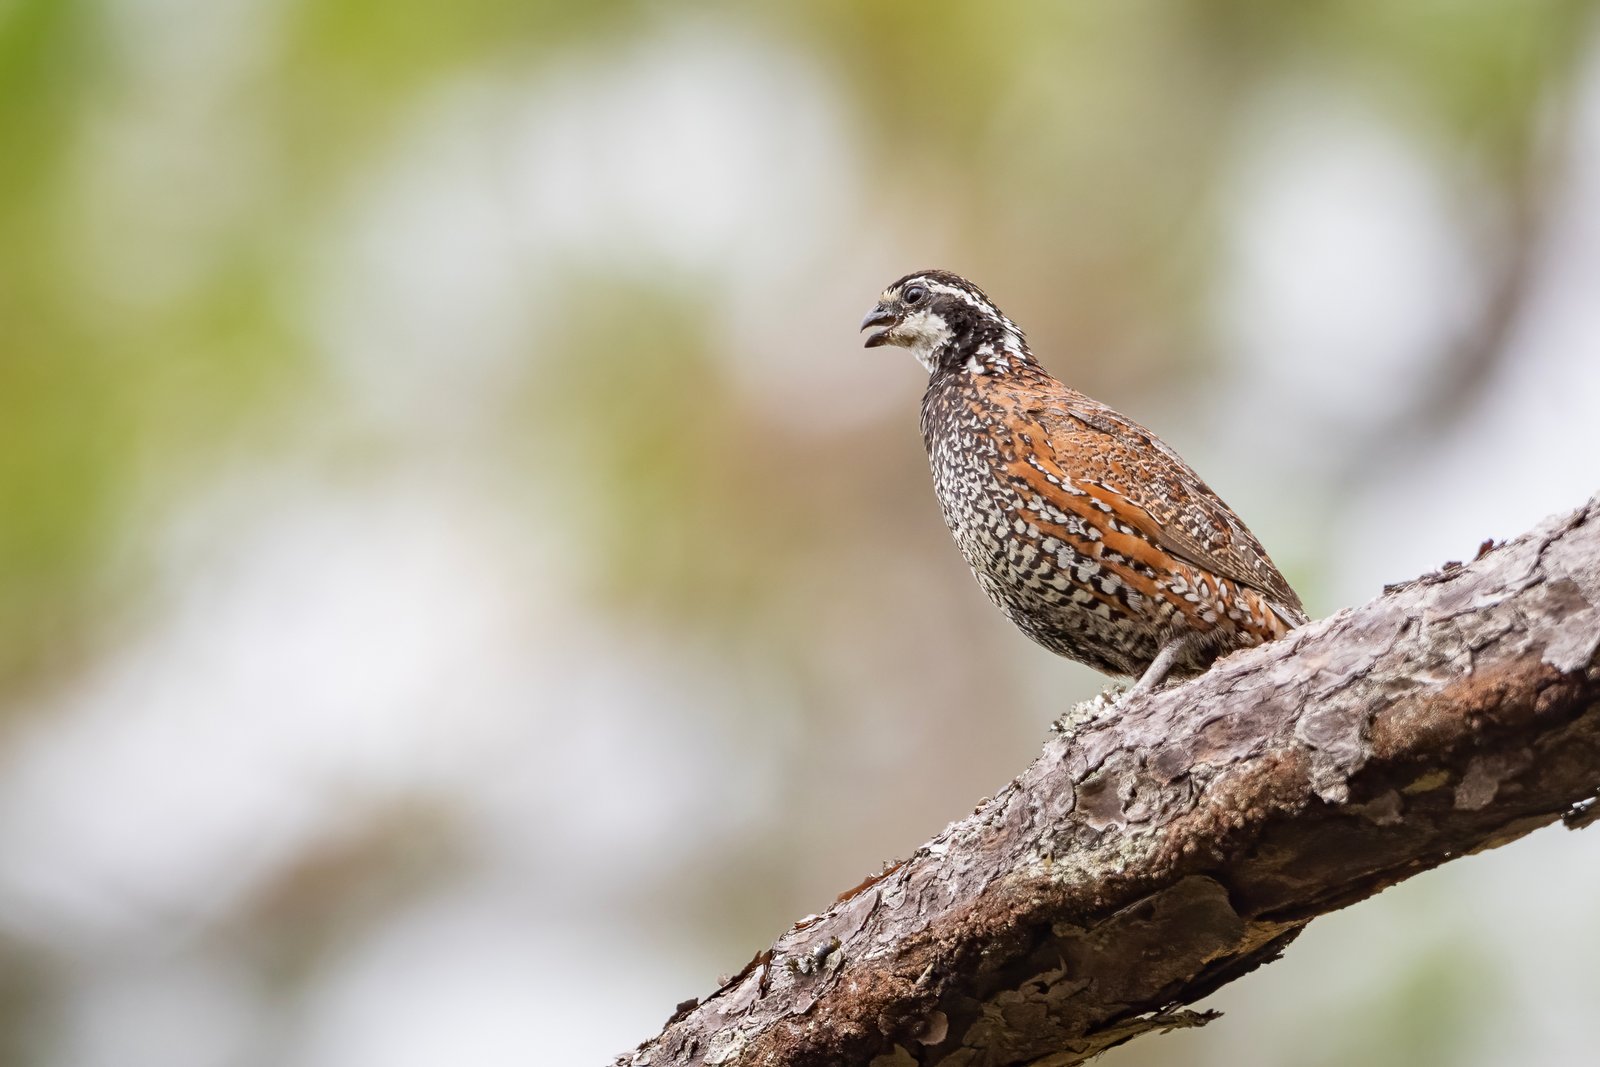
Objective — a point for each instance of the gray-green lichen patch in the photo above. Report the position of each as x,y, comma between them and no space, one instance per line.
1086,712
1426,782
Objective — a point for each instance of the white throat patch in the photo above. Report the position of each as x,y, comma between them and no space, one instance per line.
924,332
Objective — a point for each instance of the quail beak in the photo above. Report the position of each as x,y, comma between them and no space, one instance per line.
879,316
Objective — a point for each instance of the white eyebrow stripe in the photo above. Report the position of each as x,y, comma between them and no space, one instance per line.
973,299
969,297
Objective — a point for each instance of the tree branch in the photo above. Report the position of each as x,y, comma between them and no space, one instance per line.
1161,849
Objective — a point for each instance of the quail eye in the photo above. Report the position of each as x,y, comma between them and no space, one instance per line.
913,294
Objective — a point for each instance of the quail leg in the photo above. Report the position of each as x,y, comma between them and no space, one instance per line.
1162,665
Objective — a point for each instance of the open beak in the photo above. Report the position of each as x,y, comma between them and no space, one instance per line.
878,316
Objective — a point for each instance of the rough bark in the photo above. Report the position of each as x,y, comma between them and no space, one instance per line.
1164,847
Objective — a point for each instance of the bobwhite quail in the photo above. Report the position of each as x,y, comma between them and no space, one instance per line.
1082,526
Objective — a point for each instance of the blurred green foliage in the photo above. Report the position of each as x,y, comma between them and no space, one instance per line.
1054,127
1434,1010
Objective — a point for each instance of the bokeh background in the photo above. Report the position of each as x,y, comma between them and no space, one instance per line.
463,586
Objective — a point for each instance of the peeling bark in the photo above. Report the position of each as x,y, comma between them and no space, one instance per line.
1160,849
